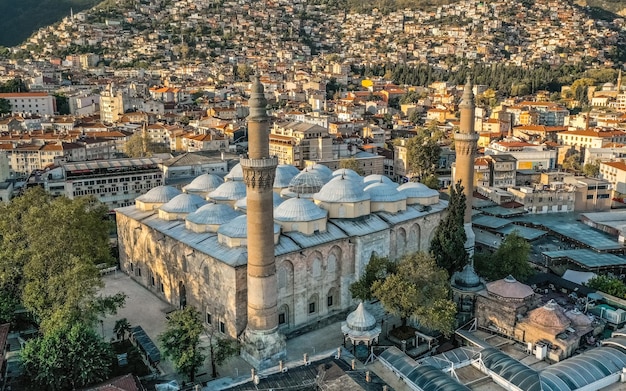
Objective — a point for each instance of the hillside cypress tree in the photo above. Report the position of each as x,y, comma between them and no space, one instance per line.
448,244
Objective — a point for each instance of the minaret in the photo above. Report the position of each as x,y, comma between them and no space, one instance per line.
619,82
465,142
263,345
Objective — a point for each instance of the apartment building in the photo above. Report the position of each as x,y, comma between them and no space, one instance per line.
40,103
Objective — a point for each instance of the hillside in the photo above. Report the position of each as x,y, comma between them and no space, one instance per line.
614,6
20,18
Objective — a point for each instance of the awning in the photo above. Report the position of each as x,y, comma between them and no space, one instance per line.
145,344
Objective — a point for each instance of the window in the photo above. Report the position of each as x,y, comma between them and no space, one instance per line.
281,318
222,327
132,267
590,197
311,308
208,318
329,301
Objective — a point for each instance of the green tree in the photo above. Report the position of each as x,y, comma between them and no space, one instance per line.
607,284
511,258
448,244
220,350
572,162
418,290
378,268
591,169
121,328
140,145
66,359
181,341
49,249
352,164
422,154
5,106
431,181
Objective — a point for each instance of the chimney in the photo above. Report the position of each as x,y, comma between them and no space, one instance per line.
367,376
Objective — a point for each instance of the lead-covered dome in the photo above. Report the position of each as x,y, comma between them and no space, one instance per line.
305,184
203,184
160,194
375,178
550,316
156,197
418,193
284,174
325,173
346,172
235,232
384,192
242,204
509,288
210,217
235,174
229,191
180,206
467,278
299,209
342,189
360,326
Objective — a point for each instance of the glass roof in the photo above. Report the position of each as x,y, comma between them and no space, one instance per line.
587,258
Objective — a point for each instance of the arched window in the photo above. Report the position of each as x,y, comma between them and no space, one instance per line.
205,272
331,265
313,305
316,267
282,278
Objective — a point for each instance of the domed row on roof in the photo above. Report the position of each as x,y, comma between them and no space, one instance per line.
342,189
203,184
242,203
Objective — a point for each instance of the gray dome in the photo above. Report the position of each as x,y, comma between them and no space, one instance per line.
341,189
243,202
204,183
325,173
235,174
374,178
284,174
159,194
306,182
417,190
213,214
228,191
384,192
238,228
183,203
346,172
360,319
299,209
467,278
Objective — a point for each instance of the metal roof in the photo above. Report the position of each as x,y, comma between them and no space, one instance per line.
525,232
587,258
110,164
490,221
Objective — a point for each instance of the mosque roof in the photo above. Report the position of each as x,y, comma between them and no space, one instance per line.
325,173
235,174
417,190
509,287
342,189
467,278
578,318
384,192
346,172
306,182
550,316
238,228
374,178
360,319
159,194
183,203
204,183
228,191
242,203
212,214
284,174
299,209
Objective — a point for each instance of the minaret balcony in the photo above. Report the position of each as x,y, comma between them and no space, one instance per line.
267,162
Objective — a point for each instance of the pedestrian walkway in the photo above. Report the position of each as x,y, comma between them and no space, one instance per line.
143,308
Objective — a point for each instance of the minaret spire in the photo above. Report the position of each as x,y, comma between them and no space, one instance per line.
465,144
263,345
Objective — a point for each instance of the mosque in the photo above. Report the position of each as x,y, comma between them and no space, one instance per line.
308,234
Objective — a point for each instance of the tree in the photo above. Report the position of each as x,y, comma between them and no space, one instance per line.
140,145
607,284
448,244
431,181
591,169
378,268
572,162
352,164
220,349
5,106
422,154
511,258
418,290
49,249
66,359
181,341
122,326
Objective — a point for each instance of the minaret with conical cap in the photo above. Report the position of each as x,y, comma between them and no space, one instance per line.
465,142
263,345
